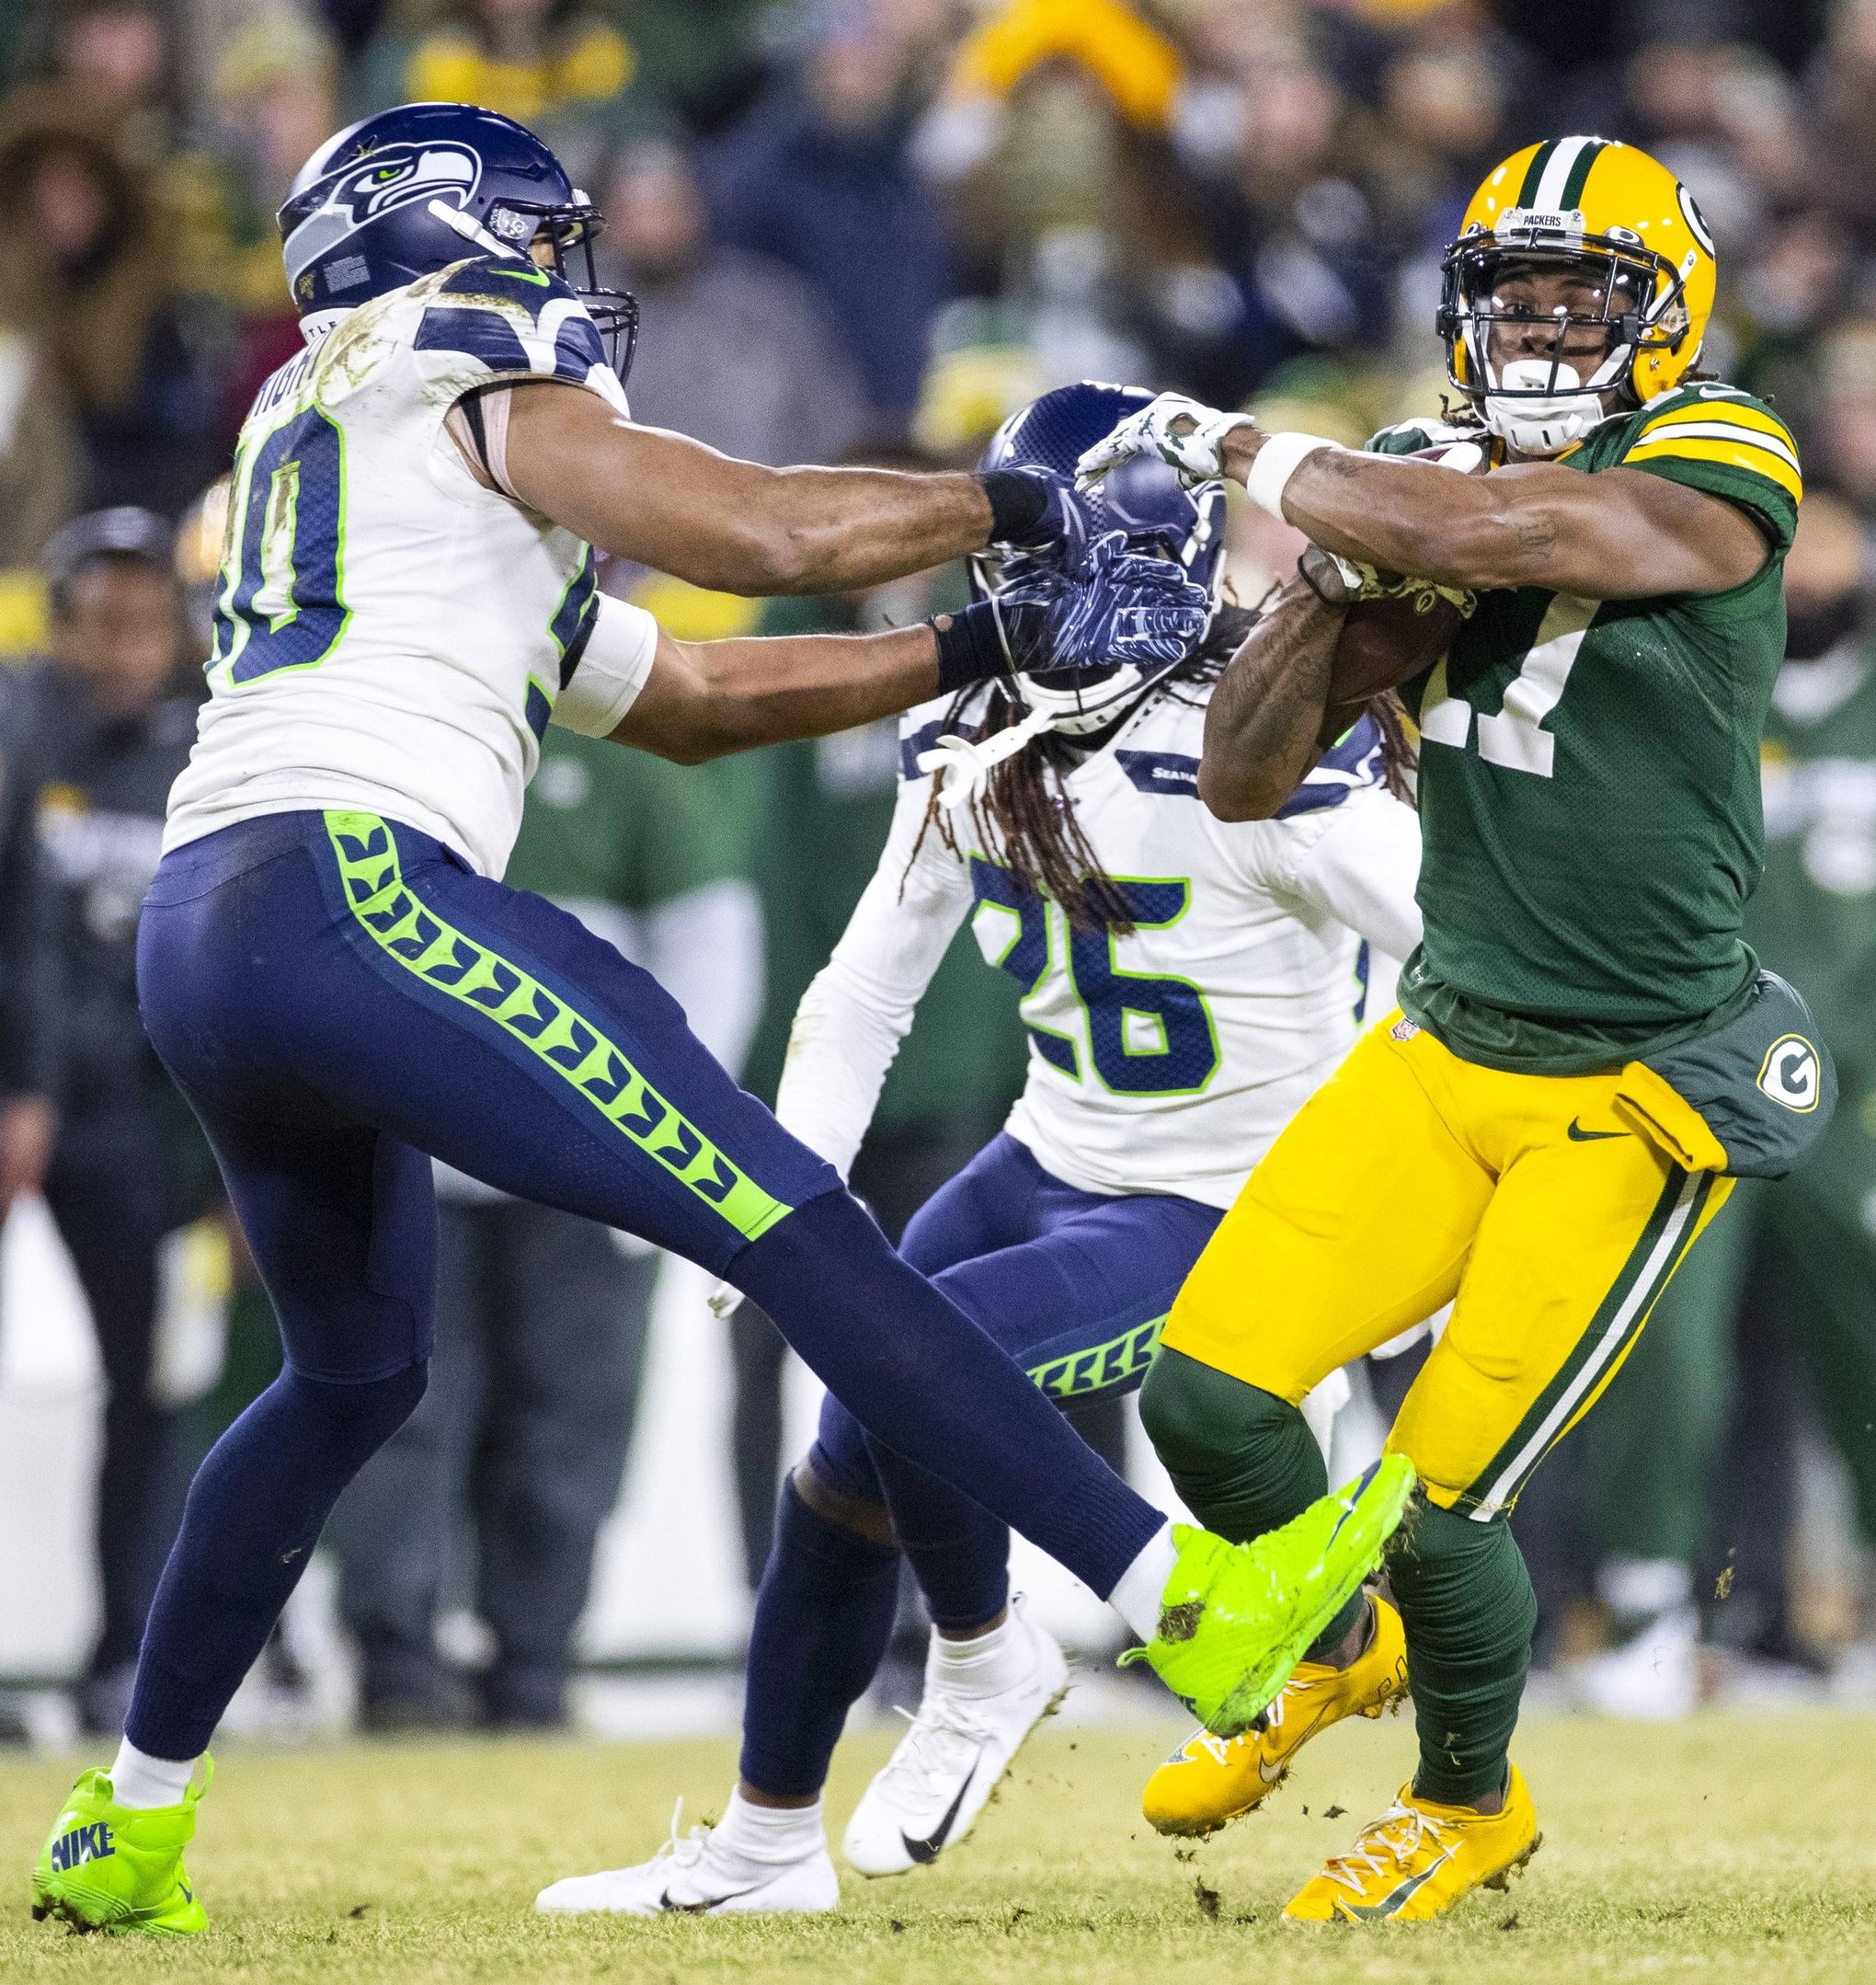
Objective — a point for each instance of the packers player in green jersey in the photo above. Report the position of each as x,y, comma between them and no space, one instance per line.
1589,1052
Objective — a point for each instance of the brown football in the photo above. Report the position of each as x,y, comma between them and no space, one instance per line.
1386,642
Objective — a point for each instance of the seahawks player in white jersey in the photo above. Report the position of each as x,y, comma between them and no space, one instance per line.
343,989
1186,983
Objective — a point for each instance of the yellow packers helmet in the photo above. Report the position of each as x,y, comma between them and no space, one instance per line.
1607,213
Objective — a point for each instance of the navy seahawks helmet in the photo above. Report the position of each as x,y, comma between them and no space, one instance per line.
1142,497
410,190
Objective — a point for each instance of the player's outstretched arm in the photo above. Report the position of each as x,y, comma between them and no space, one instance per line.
1263,724
1623,534
706,699
701,699
669,502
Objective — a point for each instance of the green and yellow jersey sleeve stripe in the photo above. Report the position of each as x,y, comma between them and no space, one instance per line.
1729,444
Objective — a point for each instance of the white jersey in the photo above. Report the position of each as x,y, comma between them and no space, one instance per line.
1165,1061
391,637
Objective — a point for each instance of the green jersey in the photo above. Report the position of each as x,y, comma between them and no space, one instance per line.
1589,792
831,805
621,829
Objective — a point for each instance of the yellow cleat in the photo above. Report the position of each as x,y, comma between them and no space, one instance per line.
1211,1780
1419,1858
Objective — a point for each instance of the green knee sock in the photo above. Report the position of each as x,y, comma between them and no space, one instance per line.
1244,1460
1467,1603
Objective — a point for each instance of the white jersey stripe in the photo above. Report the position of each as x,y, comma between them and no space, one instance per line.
1715,430
1641,1292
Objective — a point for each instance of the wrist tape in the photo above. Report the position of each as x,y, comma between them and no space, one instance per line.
1018,505
1273,465
978,643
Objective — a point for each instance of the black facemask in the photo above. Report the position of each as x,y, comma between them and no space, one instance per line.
1811,631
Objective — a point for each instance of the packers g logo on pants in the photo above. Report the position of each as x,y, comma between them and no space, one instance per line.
1791,1074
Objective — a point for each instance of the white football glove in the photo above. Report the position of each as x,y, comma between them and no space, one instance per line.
1342,582
1184,433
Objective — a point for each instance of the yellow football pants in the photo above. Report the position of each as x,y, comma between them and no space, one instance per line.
1412,1180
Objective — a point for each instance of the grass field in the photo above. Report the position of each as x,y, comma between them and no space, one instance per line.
1729,1848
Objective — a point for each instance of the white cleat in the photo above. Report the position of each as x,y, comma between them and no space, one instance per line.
932,1788
1654,1676
697,1876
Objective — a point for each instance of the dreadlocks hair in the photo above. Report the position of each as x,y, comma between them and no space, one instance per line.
1027,822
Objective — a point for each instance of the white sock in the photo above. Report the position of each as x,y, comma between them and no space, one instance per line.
138,1779
769,1836
985,1665
1139,1589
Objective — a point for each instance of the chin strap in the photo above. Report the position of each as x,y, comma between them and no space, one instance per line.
972,761
1538,423
1543,427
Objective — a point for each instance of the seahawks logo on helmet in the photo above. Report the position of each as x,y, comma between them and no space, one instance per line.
1790,1073
388,176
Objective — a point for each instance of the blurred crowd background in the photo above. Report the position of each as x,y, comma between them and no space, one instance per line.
867,230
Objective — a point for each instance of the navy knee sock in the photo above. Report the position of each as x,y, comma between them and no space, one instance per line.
824,1613
958,1551
254,1513
917,1374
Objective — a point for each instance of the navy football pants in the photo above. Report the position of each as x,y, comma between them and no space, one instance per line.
340,997
1074,1286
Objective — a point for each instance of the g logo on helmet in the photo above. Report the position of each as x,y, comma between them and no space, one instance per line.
1790,1075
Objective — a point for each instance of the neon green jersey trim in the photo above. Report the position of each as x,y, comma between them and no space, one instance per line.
1095,1370
572,1046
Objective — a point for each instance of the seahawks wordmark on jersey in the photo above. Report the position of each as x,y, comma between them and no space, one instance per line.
391,636
1162,1060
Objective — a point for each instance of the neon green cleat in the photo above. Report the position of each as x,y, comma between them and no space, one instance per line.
1236,1618
107,1867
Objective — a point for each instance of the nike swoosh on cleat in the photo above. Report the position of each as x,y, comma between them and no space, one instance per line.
1269,1776
1368,1475
708,1903
925,1851
1374,1911
1578,1135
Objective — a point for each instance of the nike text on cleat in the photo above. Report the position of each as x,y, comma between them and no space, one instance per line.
1419,1858
695,1875
1235,1619
1211,1780
107,1867
948,1764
